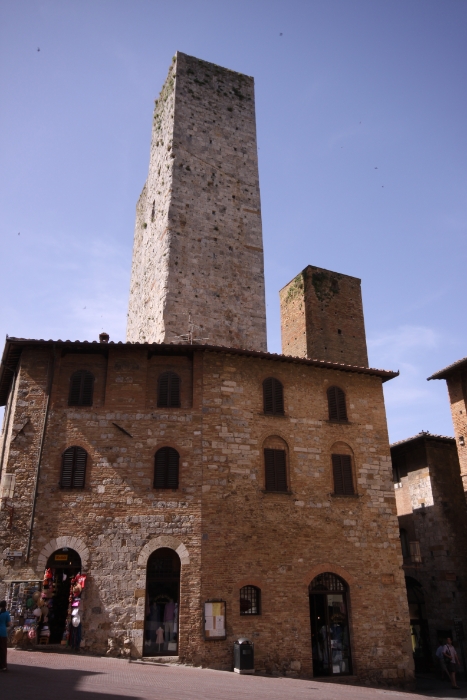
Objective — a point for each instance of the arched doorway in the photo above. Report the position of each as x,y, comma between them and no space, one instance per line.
162,600
63,564
419,631
330,637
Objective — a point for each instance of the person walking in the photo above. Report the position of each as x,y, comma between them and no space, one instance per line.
452,661
441,661
4,623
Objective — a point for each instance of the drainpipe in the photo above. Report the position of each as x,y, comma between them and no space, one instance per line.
7,423
41,447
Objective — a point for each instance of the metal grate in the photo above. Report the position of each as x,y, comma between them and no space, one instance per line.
327,583
250,600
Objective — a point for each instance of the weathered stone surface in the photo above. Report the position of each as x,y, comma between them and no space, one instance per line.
198,240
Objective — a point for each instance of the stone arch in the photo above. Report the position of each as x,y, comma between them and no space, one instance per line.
60,542
164,541
333,569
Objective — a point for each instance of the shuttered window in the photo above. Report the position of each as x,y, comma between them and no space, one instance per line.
166,468
273,397
275,470
73,468
342,472
81,388
168,390
336,404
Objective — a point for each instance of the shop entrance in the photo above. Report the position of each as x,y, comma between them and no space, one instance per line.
330,638
162,601
419,630
64,564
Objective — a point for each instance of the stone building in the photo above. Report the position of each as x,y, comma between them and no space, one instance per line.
433,527
456,380
208,489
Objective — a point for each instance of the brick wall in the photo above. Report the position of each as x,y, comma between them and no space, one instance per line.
233,531
322,317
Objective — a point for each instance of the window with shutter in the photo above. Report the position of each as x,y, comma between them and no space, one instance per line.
81,388
73,468
273,397
342,473
336,404
168,394
275,469
166,468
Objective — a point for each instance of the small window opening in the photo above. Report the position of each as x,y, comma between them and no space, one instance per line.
250,600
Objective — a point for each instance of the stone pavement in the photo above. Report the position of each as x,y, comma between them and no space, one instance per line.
47,676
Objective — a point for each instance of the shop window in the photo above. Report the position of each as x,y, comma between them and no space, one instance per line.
275,468
250,599
273,397
342,473
73,468
166,468
336,404
168,390
81,388
330,637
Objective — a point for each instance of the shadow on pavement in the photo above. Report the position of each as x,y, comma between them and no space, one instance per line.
433,687
23,682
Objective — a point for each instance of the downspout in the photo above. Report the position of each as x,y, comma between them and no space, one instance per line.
41,447
7,423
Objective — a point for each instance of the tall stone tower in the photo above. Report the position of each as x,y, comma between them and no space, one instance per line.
198,246
322,317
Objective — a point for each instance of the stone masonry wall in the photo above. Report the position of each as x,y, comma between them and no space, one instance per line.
431,508
457,388
198,239
232,531
322,317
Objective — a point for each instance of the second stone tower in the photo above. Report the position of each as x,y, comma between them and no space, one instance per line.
198,247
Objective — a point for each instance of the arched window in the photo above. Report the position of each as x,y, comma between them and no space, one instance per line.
273,397
336,404
166,468
275,469
342,473
168,390
81,388
250,600
73,468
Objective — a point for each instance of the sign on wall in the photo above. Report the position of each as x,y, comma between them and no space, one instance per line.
214,620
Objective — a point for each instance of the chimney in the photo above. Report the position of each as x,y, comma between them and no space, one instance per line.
104,337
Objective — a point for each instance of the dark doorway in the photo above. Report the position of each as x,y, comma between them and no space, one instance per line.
330,637
419,631
63,564
161,631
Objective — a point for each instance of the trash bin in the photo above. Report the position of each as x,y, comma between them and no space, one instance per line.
244,656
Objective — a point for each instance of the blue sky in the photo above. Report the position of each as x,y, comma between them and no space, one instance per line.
361,118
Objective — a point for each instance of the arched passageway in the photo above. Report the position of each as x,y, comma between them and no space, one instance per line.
330,636
161,632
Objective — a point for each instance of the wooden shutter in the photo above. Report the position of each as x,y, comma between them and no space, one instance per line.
336,404
273,396
268,401
67,469
166,468
163,393
79,471
275,470
87,387
174,390
75,389
73,468
342,472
